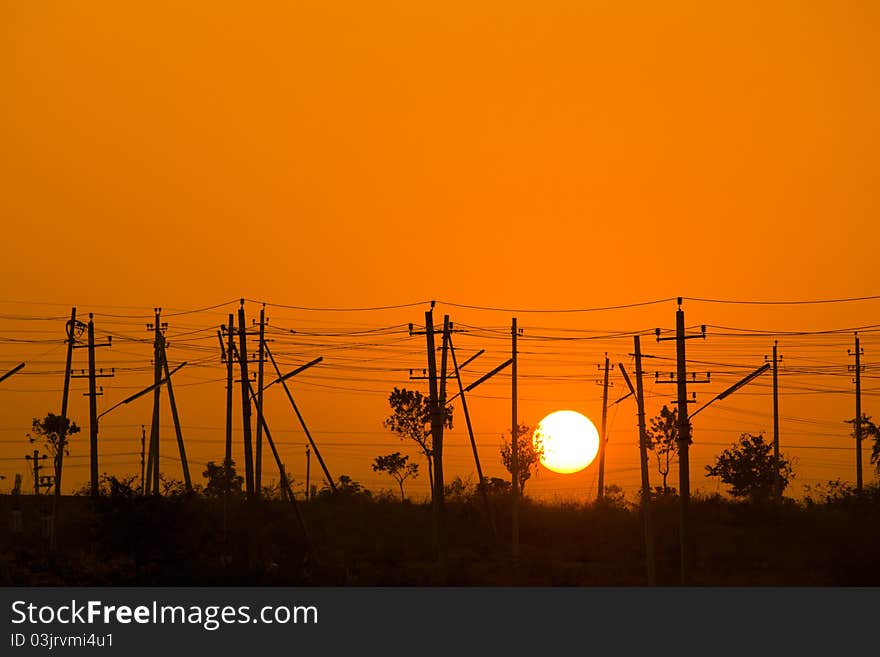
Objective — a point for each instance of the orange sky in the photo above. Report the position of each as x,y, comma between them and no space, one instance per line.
516,155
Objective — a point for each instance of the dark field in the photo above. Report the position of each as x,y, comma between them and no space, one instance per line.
363,541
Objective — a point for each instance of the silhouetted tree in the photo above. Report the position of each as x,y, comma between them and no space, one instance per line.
870,431
614,498
411,419
112,486
54,431
496,485
662,438
222,478
529,454
172,487
346,487
747,467
459,489
397,467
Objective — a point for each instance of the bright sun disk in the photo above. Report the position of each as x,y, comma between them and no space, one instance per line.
569,440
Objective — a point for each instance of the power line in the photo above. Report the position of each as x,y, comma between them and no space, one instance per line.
791,302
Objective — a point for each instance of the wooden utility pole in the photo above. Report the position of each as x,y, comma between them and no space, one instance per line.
245,403
36,458
777,488
684,441
604,439
230,366
639,393
153,457
436,420
439,482
143,456
308,474
93,394
857,352
93,412
643,461
514,436
684,434
261,357
59,455
684,426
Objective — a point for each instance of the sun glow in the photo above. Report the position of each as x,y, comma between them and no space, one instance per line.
567,441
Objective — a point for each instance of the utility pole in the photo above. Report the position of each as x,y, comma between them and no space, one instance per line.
514,435
684,432
230,365
639,393
245,403
777,491
308,474
93,411
143,456
604,439
36,458
157,328
93,394
71,329
436,418
261,352
438,450
857,352
643,461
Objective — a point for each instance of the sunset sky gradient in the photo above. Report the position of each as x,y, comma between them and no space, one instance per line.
515,155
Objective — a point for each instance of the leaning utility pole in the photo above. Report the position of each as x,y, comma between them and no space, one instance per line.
176,419
284,481
684,432
245,403
282,379
93,395
604,438
857,352
467,419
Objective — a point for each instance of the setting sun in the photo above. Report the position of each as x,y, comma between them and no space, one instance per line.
568,441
